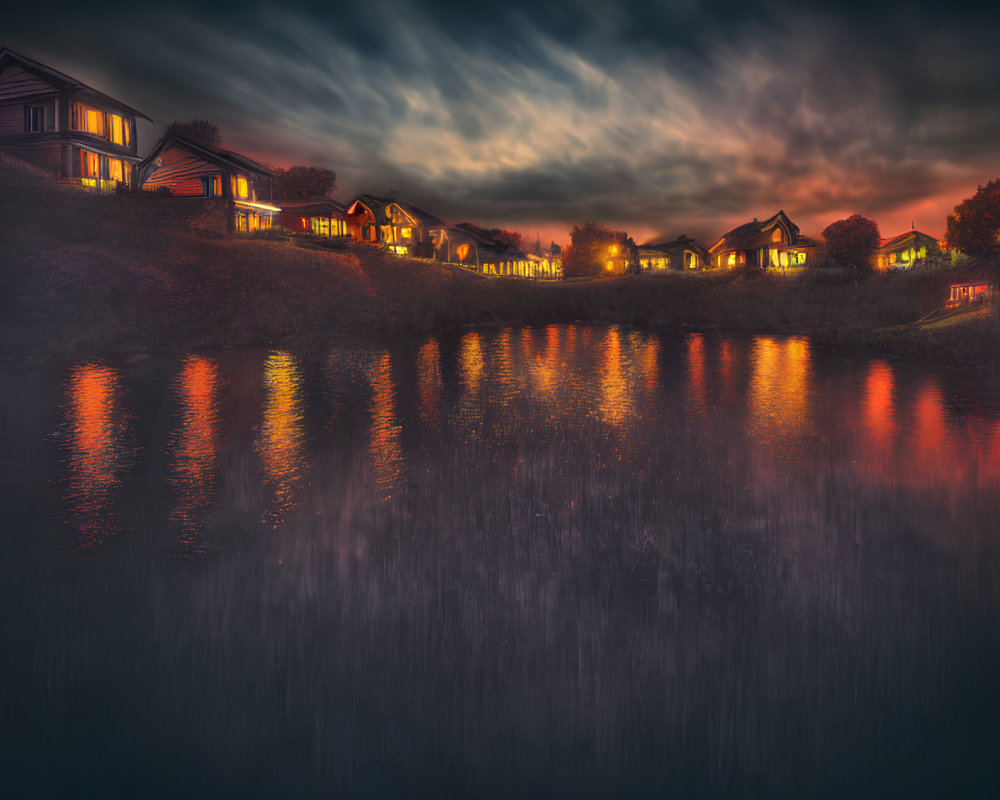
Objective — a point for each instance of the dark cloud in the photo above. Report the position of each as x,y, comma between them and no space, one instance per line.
657,117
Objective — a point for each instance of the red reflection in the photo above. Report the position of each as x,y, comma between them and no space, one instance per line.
878,410
385,441
98,454
615,398
195,451
282,436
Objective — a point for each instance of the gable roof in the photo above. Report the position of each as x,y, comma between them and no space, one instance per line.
226,159
742,237
680,242
421,216
899,239
319,205
376,205
61,80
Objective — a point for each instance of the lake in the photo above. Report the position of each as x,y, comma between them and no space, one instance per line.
564,561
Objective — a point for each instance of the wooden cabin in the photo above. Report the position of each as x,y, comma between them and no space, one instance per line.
320,217
678,254
900,252
186,169
67,128
773,243
401,227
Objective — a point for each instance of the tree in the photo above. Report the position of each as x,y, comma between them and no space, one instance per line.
851,242
593,247
974,228
199,131
304,183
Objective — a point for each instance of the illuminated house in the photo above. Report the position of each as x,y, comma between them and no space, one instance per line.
238,184
961,294
901,251
680,254
774,243
64,126
404,229
321,217
472,248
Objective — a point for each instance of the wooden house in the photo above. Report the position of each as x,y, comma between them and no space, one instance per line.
403,228
320,217
773,243
900,252
65,127
187,169
680,254
961,294
474,249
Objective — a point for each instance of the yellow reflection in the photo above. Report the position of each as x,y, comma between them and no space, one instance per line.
385,442
98,454
878,402
430,384
779,388
195,450
470,361
282,436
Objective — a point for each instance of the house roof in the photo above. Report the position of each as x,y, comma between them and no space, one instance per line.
61,80
226,159
745,235
901,238
377,205
320,205
419,215
680,242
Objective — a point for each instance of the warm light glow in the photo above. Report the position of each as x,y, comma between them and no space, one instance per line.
429,381
697,388
195,449
462,251
385,438
281,444
615,398
779,389
878,409
98,456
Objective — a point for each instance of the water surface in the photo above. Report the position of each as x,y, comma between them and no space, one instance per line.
550,561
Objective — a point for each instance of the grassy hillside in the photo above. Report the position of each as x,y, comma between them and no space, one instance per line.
88,275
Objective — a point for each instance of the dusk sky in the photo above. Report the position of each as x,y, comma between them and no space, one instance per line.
657,118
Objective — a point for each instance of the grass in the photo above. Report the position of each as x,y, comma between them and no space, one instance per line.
89,275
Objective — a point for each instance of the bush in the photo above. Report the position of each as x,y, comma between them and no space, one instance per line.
851,242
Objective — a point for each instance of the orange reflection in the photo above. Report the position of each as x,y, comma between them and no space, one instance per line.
429,382
878,410
697,391
282,436
648,358
98,453
195,450
385,443
727,369
615,398
779,389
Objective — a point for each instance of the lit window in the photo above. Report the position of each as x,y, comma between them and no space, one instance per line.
462,251
116,170
732,259
241,188
117,125
88,120
406,233
89,164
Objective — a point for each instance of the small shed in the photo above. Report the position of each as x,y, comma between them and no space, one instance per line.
682,253
320,217
903,250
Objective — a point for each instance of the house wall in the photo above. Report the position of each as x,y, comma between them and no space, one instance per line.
181,172
16,82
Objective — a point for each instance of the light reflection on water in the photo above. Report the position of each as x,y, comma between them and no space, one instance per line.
562,560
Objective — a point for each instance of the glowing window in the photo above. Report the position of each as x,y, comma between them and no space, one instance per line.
116,171
462,251
892,258
117,126
801,258
732,259
241,188
406,233
784,259
88,119
89,164
776,236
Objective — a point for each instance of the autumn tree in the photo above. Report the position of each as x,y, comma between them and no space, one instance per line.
199,131
851,242
974,228
592,247
305,183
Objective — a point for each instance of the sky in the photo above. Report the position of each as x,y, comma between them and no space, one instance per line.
652,117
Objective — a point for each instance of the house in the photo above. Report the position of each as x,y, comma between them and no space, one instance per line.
961,294
403,228
60,124
321,217
475,249
237,184
774,243
683,253
899,252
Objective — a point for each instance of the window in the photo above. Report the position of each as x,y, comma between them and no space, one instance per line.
211,186
462,251
87,119
118,129
34,119
241,188
406,233
90,164
116,170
